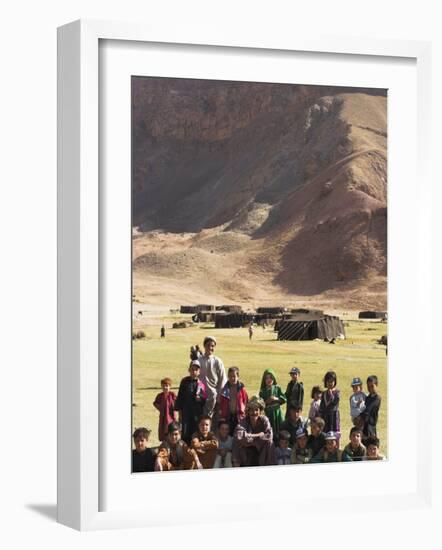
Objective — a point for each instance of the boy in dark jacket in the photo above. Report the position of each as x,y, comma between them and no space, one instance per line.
330,453
295,390
355,451
143,459
316,440
190,401
293,422
369,415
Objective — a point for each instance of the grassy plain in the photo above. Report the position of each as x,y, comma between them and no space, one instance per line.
358,355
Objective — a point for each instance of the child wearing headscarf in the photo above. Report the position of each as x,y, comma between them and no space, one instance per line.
273,397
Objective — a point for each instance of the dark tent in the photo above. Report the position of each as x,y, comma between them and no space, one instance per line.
272,310
188,309
205,307
232,320
204,317
230,309
372,314
307,311
309,327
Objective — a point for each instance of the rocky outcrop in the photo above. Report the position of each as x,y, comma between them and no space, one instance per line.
299,171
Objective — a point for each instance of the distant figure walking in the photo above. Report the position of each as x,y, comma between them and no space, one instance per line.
250,331
163,332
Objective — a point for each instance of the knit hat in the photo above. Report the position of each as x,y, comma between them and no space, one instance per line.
300,432
255,401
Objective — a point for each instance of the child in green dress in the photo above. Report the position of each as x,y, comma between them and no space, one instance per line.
273,397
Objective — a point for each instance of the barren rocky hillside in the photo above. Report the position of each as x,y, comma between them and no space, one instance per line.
259,192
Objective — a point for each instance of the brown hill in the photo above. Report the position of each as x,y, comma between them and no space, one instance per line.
259,192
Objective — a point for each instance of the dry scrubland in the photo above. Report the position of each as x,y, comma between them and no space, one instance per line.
358,355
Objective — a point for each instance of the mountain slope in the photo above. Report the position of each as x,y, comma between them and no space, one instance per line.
251,192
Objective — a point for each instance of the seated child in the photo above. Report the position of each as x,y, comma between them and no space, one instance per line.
273,397
372,444
190,401
143,459
205,443
164,403
283,451
301,453
355,450
173,452
357,399
372,405
232,400
295,390
253,438
225,440
330,453
293,422
316,402
316,440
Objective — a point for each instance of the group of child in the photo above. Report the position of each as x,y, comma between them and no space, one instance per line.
192,439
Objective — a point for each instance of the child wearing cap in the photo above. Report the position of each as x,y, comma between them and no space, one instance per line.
330,453
372,444
329,407
283,450
357,399
315,404
293,422
233,400
165,403
301,454
273,398
372,405
205,443
355,451
295,390
190,401
143,458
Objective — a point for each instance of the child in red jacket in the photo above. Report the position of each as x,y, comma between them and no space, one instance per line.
233,399
165,403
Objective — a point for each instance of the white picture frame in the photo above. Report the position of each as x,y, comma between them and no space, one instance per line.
80,258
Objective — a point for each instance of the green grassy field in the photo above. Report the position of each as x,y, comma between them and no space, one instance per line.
358,355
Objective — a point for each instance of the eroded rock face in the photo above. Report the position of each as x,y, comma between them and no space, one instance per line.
299,169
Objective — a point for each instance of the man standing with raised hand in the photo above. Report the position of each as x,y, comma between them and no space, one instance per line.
212,374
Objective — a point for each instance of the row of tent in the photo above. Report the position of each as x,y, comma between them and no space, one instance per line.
295,324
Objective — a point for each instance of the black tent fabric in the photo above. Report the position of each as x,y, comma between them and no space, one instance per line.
272,310
232,320
205,307
372,314
309,327
230,308
188,309
307,311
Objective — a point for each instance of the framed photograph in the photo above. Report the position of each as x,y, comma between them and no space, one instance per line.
226,293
